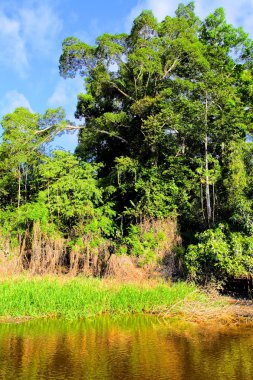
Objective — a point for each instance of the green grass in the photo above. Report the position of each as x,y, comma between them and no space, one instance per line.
85,297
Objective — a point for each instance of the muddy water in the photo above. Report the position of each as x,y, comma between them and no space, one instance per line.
131,348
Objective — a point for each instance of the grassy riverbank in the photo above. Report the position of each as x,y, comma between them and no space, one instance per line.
28,297
85,297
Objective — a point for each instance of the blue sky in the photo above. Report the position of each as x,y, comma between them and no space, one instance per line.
32,31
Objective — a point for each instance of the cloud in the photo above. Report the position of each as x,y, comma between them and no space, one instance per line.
160,8
65,95
12,100
40,27
59,95
12,45
30,28
238,13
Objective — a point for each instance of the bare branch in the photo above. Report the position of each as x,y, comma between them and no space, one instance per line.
171,68
108,133
121,91
71,127
68,127
44,130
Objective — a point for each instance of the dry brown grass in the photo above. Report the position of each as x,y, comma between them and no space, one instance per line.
122,268
89,260
8,265
220,310
46,253
40,253
166,264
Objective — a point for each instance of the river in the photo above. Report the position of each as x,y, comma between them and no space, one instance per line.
129,348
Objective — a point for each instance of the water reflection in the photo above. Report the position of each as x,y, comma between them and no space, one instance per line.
132,348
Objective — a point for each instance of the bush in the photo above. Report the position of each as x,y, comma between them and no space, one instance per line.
218,254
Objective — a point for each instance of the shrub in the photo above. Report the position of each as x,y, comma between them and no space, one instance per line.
218,254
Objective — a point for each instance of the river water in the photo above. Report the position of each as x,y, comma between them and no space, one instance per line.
129,348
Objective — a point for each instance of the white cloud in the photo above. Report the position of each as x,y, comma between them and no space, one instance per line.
160,8
39,27
12,45
238,12
32,28
65,95
59,95
12,100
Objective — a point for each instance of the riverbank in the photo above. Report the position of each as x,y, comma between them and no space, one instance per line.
72,298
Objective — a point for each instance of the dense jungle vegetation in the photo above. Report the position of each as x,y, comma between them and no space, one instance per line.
163,167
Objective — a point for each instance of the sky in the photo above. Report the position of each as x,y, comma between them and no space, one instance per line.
32,32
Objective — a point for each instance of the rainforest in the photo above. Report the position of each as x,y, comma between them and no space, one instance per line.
160,184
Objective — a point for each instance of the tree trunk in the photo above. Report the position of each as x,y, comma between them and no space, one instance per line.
19,187
19,200
202,202
208,201
26,179
213,202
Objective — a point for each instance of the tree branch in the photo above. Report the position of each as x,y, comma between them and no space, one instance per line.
121,91
68,127
171,68
108,133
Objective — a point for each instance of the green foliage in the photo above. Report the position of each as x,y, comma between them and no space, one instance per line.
149,242
219,254
142,245
155,195
238,186
72,195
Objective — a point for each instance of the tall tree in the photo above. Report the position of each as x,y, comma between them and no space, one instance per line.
174,91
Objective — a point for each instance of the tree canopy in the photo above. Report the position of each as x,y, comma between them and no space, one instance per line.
163,104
